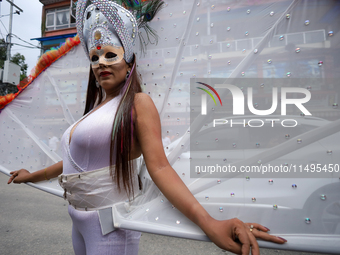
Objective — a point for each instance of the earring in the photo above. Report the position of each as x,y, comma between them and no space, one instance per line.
127,75
97,84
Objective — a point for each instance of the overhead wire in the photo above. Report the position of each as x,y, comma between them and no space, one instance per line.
34,46
4,26
31,47
24,47
17,37
20,49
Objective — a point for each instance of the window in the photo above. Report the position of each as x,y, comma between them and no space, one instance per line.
59,18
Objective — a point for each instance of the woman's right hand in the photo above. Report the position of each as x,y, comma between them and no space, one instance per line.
47,173
19,176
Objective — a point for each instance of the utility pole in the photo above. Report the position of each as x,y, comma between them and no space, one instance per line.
9,41
11,71
9,33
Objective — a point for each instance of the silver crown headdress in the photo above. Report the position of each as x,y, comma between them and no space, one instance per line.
106,22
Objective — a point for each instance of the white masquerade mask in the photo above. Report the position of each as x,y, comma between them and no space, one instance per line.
105,23
107,55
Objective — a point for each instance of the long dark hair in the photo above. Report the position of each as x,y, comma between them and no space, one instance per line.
121,168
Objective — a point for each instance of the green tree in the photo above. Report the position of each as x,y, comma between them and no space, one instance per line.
3,49
20,61
16,59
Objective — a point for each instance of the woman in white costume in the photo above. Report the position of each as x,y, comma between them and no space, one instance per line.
121,123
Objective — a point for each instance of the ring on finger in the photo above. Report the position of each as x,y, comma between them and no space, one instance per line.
251,228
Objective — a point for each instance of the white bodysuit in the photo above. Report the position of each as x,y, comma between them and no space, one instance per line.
88,150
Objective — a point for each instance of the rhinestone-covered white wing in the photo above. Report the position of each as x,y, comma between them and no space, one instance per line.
249,44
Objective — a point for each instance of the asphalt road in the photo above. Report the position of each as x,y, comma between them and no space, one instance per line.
33,222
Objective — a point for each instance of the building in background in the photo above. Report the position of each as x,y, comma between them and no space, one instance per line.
58,22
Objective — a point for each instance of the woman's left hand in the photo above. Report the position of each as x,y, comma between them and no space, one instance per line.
238,237
261,232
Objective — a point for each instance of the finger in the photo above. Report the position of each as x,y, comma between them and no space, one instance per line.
10,179
238,242
258,227
234,247
243,237
255,249
266,237
237,247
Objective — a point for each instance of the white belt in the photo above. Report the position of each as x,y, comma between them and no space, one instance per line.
94,190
